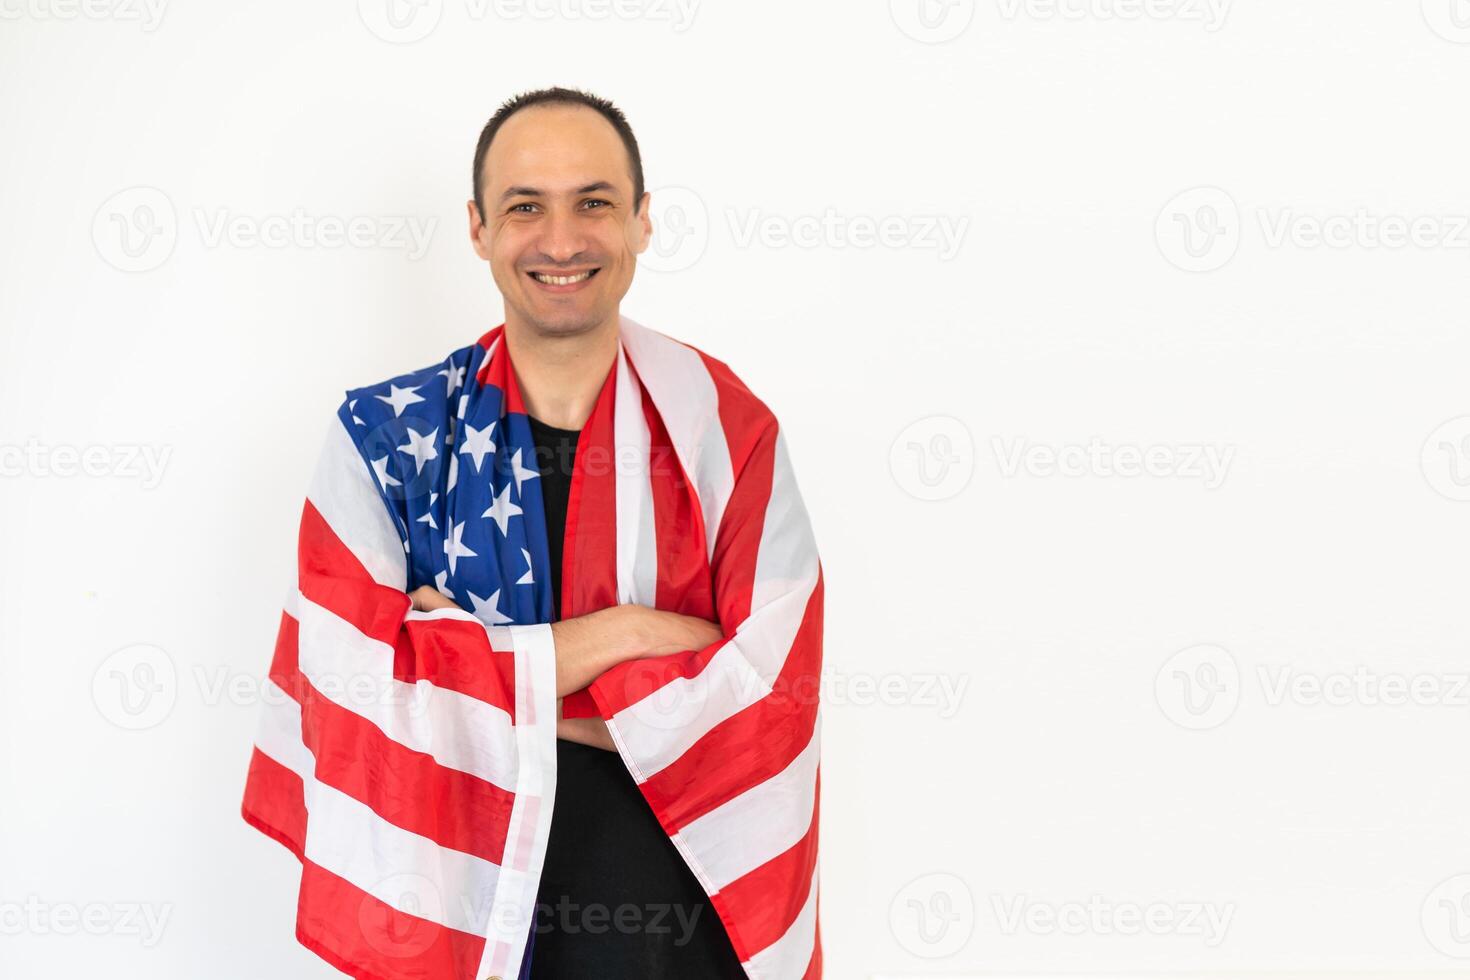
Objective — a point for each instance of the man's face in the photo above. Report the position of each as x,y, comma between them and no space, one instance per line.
558,200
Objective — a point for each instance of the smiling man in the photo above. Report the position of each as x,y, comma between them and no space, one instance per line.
560,213
572,561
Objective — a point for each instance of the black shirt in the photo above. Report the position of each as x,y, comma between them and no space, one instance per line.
616,901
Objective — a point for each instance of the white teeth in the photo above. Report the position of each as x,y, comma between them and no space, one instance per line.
561,280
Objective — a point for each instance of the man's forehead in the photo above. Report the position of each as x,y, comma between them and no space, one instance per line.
556,151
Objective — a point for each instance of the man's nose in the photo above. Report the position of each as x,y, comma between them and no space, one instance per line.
562,240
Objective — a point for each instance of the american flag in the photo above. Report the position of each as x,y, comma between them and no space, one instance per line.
408,759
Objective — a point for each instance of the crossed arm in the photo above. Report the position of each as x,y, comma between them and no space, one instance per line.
586,646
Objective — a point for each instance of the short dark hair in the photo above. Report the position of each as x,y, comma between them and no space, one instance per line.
558,96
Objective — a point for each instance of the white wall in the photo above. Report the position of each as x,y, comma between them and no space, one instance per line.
1070,770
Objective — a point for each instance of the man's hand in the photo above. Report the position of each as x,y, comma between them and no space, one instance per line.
586,646
426,599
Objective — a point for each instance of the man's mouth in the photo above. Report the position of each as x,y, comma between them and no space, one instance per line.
563,281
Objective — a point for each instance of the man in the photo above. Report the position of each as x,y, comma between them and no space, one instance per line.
682,840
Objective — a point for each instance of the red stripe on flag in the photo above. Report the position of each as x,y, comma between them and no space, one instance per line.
456,654
407,788
331,576
370,939
589,578
275,802
348,927
752,745
767,900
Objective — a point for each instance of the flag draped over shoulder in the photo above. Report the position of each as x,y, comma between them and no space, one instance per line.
408,759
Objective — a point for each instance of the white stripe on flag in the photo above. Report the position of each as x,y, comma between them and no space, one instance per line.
343,492
689,405
761,823
344,836
356,672
637,548
788,956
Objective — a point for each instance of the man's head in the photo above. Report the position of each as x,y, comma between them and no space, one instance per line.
558,187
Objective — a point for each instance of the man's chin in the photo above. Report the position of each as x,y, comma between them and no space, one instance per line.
568,323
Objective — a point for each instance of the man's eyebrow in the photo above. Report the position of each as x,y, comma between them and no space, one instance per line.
600,185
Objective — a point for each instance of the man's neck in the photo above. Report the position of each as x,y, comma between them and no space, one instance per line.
561,377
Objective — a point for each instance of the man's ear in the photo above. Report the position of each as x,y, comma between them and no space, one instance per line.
645,224
477,232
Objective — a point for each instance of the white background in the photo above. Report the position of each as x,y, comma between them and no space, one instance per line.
1072,768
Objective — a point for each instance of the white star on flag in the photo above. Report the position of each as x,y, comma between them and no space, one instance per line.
453,378
478,442
489,608
520,472
428,517
441,582
400,398
503,510
454,546
526,579
421,448
380,467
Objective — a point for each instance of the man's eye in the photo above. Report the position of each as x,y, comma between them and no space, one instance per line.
517,207
597,200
